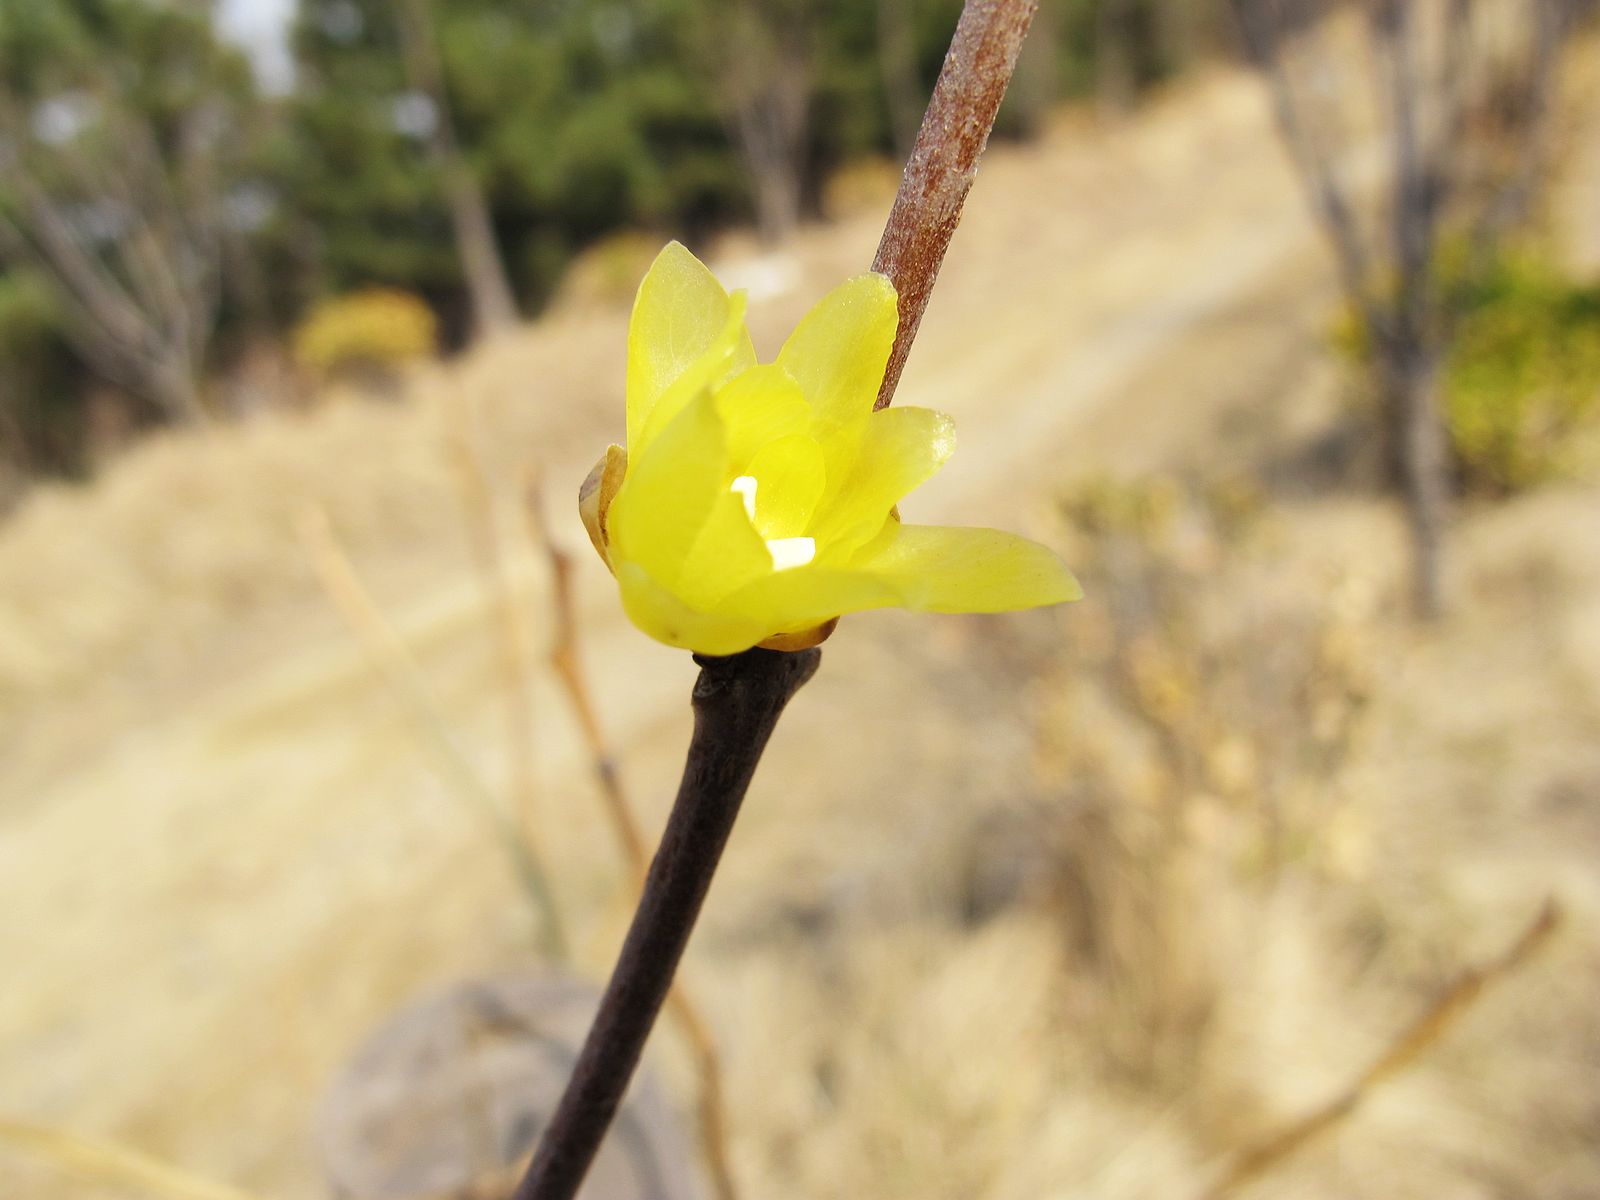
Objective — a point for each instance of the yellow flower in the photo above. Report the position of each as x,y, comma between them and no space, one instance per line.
755,503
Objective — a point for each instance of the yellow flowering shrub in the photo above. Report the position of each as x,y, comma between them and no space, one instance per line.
755,503
375,328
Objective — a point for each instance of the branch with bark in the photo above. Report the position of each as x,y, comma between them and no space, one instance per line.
1452,1003
126,226
738,700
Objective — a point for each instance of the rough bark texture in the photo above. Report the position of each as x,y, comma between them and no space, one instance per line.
944,162
738,699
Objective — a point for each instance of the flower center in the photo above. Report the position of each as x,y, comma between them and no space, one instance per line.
786,552
791,552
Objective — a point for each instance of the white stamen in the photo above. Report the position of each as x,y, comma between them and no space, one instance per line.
786,552
746,486
791,552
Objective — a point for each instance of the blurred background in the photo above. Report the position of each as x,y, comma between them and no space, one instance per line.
320,725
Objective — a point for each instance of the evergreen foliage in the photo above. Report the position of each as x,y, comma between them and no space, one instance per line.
577,118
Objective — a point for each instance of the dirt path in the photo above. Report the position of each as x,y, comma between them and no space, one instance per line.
208,894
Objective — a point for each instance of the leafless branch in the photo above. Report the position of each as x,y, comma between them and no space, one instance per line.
494,305
141,300
1315,163
1446,1009
515,657
394,662
566,659
738,700
944,161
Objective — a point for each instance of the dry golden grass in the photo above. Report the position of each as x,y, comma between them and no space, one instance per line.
1057,905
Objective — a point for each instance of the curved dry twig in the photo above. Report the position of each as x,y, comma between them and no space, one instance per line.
1445,1010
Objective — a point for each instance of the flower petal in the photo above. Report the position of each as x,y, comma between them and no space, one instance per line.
669,492
805,597
758,406
900,449
839,350
667,619
759,502
940,568
790,478
728,554
683,322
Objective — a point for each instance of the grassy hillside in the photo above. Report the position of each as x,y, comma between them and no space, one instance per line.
1072,903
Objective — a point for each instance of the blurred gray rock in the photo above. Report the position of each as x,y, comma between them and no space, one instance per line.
447,1098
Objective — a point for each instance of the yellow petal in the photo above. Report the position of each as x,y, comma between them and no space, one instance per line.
729,355
683,322
669,492
839,350
900,449
728,554
757,504
667,619
759,406
790,478
938,568
805,597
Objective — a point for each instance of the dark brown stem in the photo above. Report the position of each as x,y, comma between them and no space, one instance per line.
737,701
944,161
567,662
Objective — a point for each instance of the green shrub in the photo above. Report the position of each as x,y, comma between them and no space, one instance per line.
1521,376
1522,380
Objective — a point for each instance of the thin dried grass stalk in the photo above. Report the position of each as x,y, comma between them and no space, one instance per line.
109,1163
394,662
515,658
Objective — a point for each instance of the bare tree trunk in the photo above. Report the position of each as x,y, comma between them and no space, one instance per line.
758,56
777,204
494,305
1425,479
1418,311
177,384
1442,169
1114,82
769,86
